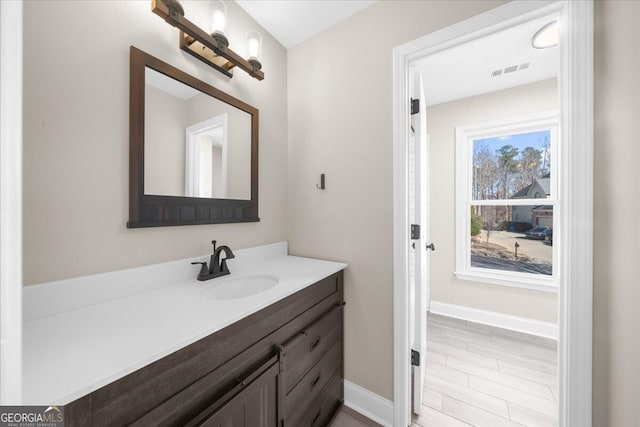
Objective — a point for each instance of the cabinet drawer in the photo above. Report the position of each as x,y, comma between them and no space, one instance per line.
308,388
320,412
304,351
252,403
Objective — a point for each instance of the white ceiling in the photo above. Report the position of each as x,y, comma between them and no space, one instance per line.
466,70
168,85
293,21
456,73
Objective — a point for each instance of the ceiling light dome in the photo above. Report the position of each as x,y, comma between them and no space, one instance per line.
547,36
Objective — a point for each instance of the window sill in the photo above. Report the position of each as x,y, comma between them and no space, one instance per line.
511,281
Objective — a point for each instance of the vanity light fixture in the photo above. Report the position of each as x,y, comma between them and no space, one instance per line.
219,21
213,49
547,36
254,48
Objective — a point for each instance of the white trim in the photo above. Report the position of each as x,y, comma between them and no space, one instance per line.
511,202
575,247
500,320
517,124
509,279
11,202
369,404
401,310
465,135
576,241
192,166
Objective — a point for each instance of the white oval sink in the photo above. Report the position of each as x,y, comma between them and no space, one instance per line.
239,287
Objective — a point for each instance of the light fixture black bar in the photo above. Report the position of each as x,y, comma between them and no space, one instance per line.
174,15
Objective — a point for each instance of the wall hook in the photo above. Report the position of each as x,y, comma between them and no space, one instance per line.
321,186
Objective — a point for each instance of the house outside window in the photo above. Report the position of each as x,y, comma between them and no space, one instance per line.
506,197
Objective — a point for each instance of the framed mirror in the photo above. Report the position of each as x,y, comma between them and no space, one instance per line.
193,149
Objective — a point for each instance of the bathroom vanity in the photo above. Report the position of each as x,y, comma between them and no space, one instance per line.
270,358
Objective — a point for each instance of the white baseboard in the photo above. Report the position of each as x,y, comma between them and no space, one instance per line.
369,404
505,321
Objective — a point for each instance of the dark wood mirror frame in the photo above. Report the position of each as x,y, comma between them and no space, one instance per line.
147,210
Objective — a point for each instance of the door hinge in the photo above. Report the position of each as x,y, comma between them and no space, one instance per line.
415,106
415,231
415,358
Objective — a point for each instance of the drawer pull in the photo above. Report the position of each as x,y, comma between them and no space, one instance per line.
314,344
315,381
315,419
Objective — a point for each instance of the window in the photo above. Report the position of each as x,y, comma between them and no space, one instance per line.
507,201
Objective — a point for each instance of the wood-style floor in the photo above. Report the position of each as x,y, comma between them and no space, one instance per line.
347,417
478,375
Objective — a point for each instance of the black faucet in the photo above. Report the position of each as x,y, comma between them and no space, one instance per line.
216,267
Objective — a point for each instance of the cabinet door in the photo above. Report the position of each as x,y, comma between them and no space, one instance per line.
255,404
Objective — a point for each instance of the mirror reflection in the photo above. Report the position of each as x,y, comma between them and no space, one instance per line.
195,145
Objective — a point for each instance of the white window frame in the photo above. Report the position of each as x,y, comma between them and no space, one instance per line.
465,135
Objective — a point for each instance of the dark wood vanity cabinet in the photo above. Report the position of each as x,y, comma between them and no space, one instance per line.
281,366
252,402
308,362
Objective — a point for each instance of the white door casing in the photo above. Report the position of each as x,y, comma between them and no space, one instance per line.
11,203
218,125
575,82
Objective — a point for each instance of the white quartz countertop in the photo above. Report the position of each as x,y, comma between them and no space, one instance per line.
81,347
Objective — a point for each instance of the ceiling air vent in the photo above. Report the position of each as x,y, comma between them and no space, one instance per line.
510,69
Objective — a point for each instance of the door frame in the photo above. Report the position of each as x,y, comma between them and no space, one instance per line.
11,202
575,288
192,166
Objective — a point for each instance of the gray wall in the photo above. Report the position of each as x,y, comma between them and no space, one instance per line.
164,148
616,302
76,138
442,120
340,123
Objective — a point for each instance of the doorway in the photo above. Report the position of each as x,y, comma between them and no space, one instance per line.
207,159
575,160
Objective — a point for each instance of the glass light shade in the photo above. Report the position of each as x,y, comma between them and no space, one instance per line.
218,10
547,36
254,45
